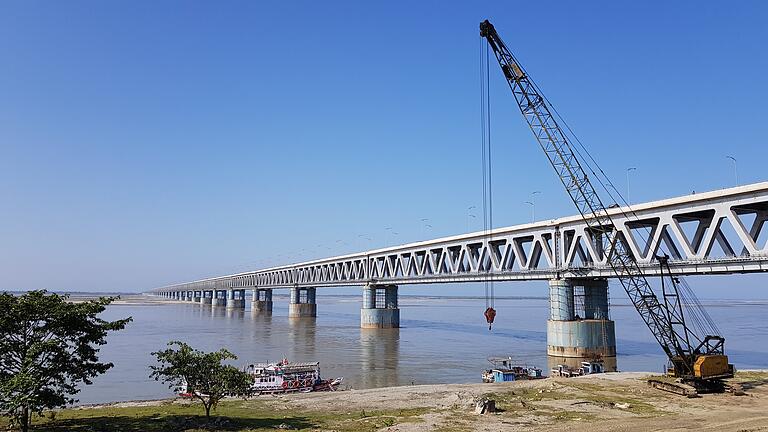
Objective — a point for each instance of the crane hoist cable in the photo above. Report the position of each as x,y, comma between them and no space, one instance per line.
485,260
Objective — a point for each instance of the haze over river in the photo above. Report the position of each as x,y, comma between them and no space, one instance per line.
442,339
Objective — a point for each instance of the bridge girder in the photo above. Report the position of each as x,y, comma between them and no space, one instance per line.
708,233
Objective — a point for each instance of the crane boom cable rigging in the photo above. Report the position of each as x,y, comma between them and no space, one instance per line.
487,174
665,320
702,320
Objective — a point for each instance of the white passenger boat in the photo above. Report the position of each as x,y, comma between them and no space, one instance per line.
284,377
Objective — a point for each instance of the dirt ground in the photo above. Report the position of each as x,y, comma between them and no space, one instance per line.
609,402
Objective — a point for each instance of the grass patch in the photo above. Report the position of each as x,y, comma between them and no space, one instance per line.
518,400
566,416
601,395
233,416
526,395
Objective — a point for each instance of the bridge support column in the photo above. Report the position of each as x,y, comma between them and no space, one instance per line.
207,298
302,303
196,296
235,299
380,308
578,328
190,296
262,301
219,298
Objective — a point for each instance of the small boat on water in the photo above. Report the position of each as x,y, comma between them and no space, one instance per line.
287,377
506,369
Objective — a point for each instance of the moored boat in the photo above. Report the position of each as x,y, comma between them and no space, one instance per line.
593,366
283,377
506,369
287,377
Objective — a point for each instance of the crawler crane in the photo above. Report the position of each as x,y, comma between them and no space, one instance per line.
698,361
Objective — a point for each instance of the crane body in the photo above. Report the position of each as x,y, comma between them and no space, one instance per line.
698,360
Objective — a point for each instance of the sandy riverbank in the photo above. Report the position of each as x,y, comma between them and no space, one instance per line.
620,401
615,402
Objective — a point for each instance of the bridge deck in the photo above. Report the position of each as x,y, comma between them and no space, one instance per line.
717,232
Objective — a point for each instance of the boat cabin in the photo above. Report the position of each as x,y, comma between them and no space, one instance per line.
503,375
592,367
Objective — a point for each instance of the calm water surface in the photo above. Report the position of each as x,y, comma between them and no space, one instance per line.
442,340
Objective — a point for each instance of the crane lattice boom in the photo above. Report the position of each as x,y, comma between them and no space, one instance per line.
665,320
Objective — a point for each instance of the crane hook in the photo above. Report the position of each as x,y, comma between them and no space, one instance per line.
490,314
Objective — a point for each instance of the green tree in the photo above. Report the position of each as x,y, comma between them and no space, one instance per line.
48,347
202,374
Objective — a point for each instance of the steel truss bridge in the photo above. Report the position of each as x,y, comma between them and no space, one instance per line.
718,232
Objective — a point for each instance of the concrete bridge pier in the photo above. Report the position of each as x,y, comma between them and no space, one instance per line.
207,298
196,296
190,296
579,328
262,301
302,303
380,307
219,298
236,299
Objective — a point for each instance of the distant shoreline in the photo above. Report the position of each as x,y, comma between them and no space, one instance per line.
144,299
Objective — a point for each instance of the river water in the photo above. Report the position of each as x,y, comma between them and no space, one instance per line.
441,340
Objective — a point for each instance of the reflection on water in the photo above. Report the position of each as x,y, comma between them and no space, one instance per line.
440,341
379,357
236,313
301,338
215,312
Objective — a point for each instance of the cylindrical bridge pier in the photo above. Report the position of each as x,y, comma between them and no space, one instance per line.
207,298
579,328
302,303
380,309
236,299
262,301
219,298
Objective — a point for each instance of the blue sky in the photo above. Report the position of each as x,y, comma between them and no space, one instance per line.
145,143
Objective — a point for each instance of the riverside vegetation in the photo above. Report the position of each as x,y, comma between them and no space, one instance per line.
48,348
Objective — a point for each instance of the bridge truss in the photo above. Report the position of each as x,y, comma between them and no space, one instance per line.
718,232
